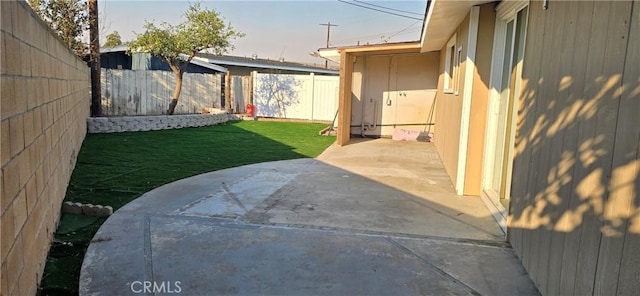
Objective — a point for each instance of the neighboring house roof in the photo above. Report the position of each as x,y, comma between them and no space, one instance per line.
260,63
441,21
108,49
217,62
123,48
205,64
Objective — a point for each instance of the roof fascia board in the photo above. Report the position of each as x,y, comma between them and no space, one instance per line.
267,66
413,46
425,25
202,64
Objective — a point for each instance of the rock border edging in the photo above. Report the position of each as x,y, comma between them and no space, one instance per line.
153,123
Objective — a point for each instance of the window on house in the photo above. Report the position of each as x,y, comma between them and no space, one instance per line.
456,72
451,66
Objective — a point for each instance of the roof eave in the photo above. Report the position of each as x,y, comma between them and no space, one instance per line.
204,64
442,20
268,66
333,53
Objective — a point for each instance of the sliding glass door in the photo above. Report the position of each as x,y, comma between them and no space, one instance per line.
506,86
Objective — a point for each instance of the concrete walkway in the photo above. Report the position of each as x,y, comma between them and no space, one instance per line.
376,217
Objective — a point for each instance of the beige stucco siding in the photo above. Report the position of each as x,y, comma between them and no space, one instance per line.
449,109
417,79
357,86
479,100
392,89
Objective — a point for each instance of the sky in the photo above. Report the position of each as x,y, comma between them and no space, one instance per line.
275,29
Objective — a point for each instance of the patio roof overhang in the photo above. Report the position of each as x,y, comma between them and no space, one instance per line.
442,19
333,53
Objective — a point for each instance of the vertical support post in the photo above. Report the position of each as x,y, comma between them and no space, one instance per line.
344,102
94,60
227,91
313,92
251,86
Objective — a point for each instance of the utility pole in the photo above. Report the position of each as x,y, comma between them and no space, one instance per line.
329,25
94,60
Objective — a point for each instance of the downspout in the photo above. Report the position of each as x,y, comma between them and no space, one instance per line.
374,125
369,126
363,90
362,119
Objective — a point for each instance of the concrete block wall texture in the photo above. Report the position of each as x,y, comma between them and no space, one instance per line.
45,98
153,123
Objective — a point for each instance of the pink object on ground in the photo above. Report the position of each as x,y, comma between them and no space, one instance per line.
409,135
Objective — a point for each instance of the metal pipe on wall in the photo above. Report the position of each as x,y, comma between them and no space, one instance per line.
399,124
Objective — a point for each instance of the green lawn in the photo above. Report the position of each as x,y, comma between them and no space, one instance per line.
113,169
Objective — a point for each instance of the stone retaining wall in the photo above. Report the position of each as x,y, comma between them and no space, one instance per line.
153,123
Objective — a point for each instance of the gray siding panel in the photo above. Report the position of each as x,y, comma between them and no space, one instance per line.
628,136
569,260
575,181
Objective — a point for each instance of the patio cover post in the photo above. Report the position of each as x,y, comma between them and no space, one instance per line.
344,104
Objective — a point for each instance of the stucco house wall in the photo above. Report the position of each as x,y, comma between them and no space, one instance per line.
449,106
387,90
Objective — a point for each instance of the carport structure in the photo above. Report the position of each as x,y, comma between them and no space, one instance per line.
383,87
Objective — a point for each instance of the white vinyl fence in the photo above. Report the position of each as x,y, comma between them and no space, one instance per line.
310,97
146,92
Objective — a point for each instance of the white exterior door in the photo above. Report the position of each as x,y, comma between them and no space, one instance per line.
505,83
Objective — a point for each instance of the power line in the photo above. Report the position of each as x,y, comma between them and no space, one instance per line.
377,35
369,38
404,29
379,10
388,8
373,38
361,20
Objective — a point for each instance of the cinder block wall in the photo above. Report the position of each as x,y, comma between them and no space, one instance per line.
45,98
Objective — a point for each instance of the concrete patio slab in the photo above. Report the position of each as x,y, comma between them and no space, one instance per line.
373,218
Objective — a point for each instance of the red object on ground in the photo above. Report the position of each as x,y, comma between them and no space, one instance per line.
250,109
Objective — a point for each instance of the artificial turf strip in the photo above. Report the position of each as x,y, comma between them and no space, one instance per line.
114,169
